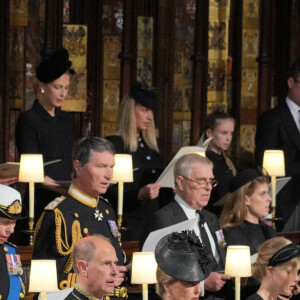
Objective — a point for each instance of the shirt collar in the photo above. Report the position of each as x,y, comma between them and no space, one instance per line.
188,210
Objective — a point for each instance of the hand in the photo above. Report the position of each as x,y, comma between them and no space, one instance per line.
51,185
215,281
150,191
8,180
121,270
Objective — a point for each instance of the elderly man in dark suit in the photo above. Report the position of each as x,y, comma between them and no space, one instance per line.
279,128
194,181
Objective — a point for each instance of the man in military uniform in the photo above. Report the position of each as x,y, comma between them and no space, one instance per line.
82,212
11,286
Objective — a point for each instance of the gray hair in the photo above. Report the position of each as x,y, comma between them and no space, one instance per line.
186,163
84,250
84,148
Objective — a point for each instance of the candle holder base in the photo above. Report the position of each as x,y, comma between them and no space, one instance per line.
30,231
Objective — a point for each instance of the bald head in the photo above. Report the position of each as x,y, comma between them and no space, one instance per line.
95,262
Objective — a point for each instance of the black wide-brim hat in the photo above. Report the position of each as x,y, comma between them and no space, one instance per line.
146,96
11,204
183,257
246,176
54,66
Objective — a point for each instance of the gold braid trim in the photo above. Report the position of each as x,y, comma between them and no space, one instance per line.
63,247
84,292
38,226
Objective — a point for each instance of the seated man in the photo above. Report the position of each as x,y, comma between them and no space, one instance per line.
95,263
82,212
11,286
194,181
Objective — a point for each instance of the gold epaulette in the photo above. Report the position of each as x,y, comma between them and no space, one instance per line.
11,244
62,244
54,203
105,200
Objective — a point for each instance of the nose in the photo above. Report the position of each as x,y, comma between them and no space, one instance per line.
150,115
64,92
114,270
10,229
197,290
109,174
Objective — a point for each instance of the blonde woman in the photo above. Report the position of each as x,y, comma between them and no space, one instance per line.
137,137
276,267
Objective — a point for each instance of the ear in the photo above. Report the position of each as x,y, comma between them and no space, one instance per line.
290,82
77,166
179,182
41,85
208,132
269,270
247,200
82,267
167,287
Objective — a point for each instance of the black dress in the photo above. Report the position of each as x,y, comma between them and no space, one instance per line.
38,132
147,166
223,174
252,235
255,297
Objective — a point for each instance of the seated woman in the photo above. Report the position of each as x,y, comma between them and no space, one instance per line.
276,267
137,137
245,205
220,127
182,262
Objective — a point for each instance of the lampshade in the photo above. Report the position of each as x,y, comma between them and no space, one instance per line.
31,168
43,276
200,152
273,162
143,268
238,263
123,168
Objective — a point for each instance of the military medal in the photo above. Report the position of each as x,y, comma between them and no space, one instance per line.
14,265
220,238
113,228
98,215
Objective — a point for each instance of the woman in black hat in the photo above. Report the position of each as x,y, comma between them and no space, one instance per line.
137,137
48,130
11,286
276,267
182,262
246,204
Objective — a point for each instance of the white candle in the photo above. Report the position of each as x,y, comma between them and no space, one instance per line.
31,200
120,198
273,184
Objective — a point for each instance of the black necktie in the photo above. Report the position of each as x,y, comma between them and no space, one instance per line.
203,233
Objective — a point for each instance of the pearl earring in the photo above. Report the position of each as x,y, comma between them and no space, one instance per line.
169,295
42,91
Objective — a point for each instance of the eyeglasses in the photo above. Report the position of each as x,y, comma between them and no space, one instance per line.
204,182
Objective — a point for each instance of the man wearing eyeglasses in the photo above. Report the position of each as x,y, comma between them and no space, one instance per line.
194,181
279,128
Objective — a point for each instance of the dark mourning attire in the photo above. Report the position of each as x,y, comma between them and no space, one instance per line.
147,166
11,287
252,235
172,214
277,129
223,174
65,221
38,132
254,297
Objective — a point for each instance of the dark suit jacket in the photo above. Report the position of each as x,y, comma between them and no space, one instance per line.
172,214
277,129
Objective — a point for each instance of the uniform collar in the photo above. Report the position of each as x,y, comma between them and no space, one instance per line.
82,197
78,288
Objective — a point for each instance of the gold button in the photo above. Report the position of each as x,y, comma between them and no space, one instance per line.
85,230
107,211
5,249
21,295
76,215
0,297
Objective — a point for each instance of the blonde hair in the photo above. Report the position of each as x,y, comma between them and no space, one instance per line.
127,127
162,279
266,251
234,210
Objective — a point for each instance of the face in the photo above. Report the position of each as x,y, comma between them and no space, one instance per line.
222,135
284,279
56,91
102,270
294,89
194,195
143,117
95,176
182,290
7,227
258,204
